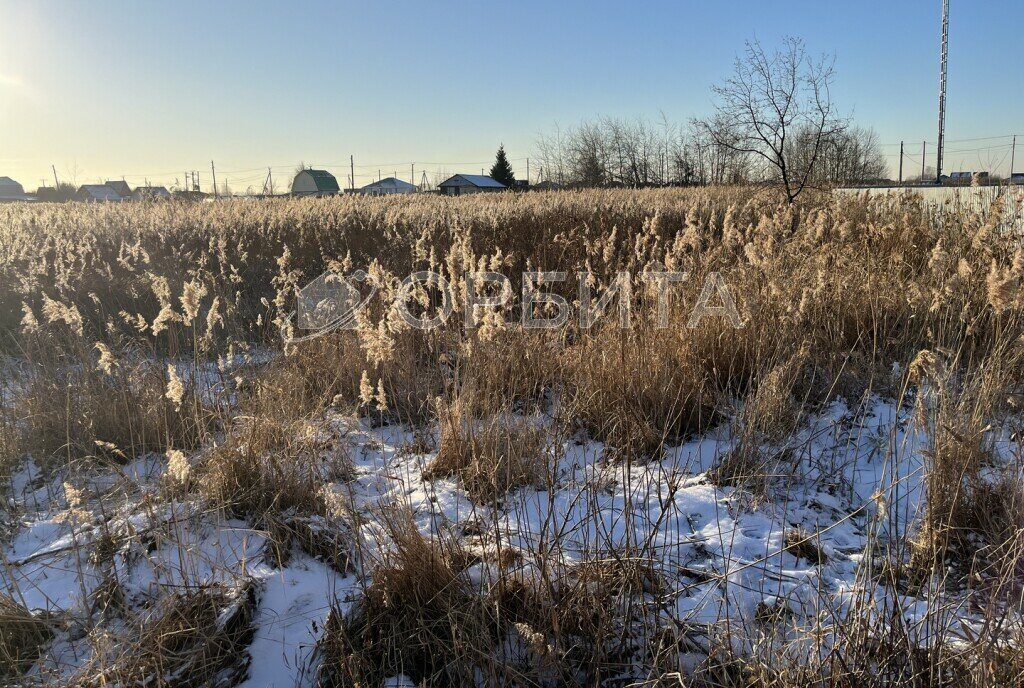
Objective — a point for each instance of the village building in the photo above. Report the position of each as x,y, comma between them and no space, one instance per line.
11,190
315,183
462,184
150,193
97,193
390,185
121,187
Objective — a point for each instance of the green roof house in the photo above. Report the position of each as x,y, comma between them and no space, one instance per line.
315,183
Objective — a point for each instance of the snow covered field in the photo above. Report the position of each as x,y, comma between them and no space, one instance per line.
725,561
826,489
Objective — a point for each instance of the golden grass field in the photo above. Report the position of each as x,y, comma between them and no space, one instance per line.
828,494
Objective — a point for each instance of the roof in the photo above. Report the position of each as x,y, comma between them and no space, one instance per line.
389,183
97,192
479,180
11,189
323,179
151,192
121,187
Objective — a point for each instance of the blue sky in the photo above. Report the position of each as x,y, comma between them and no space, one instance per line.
145,90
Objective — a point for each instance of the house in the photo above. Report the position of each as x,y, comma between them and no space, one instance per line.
11,190
1017,177
462,184
150,193
391,185
96,193
314,183
48,193
547,185
191,196
121,187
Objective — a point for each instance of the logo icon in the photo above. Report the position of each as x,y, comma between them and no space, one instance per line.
328,303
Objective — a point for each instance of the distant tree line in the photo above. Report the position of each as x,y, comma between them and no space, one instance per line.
774,121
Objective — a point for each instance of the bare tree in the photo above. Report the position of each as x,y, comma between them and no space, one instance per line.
850,156
772,99
551,154
716,154
589,155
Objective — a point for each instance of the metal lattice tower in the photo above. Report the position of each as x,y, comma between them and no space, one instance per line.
942,90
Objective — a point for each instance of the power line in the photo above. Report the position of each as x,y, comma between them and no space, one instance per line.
979,138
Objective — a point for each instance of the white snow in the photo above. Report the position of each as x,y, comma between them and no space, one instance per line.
857,476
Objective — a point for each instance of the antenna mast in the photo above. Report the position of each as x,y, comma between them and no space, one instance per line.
942,90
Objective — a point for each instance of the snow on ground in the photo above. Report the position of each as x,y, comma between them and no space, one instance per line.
857,476
292,611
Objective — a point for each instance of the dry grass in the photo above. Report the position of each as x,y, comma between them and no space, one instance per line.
491,457
22,637
421,616
969,510
193,638
418,617
275,458
634,393
73,408
837,297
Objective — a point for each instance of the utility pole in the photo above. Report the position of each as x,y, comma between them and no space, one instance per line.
924,145
942,90
213,171
352,173
901,163
1013,155
412,173
268,184
56,183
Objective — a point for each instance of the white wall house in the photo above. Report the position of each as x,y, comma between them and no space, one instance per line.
391,185
315,183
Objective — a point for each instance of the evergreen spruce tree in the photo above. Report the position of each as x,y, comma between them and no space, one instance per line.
502,171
